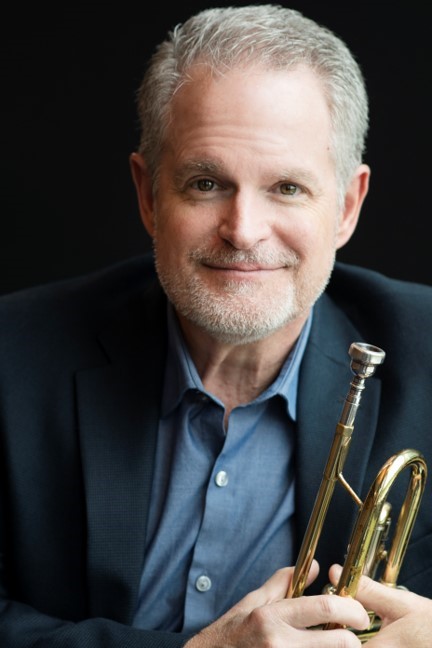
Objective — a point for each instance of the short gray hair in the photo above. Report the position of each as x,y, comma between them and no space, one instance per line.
271,36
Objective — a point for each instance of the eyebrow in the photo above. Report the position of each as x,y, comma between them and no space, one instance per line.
299,175
201,166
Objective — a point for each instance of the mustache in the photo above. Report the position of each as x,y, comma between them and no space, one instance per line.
255,256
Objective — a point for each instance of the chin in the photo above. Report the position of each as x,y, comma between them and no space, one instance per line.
233,321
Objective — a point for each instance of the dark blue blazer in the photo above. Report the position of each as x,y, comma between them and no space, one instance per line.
81,370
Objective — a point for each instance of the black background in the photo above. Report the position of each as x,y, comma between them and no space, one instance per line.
69,76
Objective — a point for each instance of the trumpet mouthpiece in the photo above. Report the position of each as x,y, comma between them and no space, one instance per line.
365,358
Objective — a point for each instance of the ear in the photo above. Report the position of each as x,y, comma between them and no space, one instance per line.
354,197
144,188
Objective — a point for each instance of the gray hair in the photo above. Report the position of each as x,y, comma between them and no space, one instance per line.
270,36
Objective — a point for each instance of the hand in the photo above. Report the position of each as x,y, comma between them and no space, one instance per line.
266,619
406,617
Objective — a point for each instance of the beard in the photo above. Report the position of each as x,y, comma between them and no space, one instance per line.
235,311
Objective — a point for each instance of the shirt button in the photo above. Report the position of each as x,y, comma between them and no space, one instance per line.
221,478
203,583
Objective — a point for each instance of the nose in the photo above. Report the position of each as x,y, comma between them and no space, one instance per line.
244,222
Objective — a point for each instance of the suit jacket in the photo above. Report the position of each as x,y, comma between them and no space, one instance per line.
81,371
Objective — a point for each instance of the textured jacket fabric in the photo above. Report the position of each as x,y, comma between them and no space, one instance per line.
81,371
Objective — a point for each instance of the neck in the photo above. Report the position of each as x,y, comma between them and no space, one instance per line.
236,374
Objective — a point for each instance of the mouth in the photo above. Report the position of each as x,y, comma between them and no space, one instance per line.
241,274
244,265
241,267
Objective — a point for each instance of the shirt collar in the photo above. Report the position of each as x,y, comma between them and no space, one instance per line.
181,374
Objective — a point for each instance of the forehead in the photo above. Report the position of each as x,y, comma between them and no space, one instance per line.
246,87
251,111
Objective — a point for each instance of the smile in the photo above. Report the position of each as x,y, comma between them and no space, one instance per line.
242,268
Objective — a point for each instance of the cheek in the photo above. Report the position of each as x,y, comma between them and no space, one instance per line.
313,238
182,227
168,225
303,235
174,239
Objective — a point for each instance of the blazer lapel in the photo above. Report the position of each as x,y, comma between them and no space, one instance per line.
118,406
324,383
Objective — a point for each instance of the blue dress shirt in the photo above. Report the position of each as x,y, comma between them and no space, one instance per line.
221,515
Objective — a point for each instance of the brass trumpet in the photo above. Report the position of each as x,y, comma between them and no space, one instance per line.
366,552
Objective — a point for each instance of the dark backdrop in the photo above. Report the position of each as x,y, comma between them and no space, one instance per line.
68,77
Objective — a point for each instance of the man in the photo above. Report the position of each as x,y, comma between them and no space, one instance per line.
162,449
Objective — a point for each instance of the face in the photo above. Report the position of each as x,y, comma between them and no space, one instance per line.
245,218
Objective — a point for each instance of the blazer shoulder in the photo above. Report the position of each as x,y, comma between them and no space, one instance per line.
389,312
64,312
352,285
128,273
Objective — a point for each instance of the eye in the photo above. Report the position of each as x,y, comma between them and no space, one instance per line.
204,184
288,189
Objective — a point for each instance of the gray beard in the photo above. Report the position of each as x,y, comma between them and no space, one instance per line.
236,314
232,318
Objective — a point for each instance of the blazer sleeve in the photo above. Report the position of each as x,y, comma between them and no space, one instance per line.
23,627
44,336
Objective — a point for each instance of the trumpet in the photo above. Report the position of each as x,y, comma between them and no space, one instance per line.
367,551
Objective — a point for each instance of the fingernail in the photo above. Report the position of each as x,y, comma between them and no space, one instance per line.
337,570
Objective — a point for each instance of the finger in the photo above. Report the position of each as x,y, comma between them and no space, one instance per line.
328,639
387,602
319,610
275,588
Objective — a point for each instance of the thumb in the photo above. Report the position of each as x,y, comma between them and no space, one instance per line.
275,588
